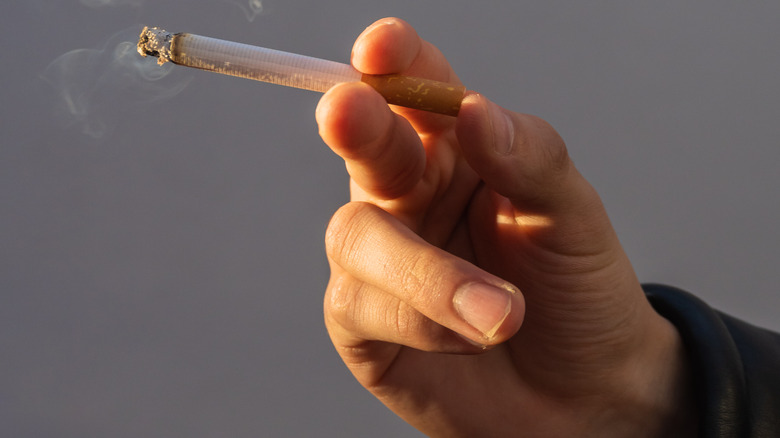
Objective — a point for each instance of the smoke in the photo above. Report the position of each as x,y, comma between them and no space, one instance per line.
101,3
63,5
96,88
252,8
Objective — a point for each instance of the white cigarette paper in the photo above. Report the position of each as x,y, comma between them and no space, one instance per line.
293,70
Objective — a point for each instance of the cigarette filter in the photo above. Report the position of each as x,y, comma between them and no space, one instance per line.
292,70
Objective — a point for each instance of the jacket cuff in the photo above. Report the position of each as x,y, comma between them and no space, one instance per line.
715,360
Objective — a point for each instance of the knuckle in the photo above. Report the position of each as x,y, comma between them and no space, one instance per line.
546,162
346,299
405,320
346,230
550,154
555,156
420,276
389,170
340,300
399,182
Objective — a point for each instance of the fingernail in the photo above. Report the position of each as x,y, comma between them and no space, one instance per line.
484,307
479,345
378,24
502,128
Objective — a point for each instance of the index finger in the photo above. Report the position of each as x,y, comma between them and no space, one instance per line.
392,46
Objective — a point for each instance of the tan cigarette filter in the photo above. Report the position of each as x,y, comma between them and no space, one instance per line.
418,93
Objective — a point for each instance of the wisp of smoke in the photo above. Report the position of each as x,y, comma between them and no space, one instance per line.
101,3
252,8
50,6
98,87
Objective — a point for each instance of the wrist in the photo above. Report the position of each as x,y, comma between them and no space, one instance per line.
657,397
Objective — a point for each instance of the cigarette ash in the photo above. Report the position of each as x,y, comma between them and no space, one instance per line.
155,42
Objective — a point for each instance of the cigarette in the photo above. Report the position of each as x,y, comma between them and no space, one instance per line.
293,70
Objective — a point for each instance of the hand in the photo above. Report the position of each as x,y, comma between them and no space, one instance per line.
477,236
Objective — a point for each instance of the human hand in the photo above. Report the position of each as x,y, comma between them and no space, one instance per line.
477,236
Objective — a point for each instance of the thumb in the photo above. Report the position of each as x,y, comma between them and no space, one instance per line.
518,156
523,159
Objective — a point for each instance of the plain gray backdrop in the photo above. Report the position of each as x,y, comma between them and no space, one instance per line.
161,257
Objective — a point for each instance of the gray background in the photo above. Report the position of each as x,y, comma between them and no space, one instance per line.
161,257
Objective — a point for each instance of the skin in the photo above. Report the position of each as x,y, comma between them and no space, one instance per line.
561,343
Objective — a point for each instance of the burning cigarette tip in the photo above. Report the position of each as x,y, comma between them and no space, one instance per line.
155,42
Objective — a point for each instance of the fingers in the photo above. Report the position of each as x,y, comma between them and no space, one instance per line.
356,312
425,285
391,45
383,153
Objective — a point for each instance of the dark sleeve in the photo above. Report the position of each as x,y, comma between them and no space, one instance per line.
736,366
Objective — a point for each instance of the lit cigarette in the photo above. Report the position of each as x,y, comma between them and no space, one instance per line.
292,70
